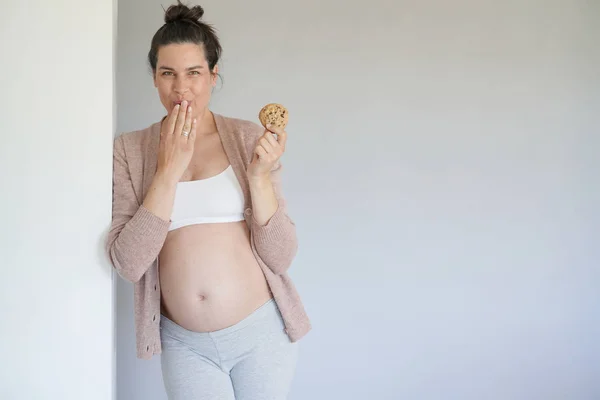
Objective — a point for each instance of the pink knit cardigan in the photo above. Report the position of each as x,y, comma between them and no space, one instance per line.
136,235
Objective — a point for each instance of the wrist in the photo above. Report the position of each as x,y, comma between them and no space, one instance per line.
259,181
163,179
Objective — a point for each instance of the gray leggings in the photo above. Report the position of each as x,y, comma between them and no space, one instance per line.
251,360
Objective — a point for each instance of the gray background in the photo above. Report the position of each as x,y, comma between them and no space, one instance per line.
442,170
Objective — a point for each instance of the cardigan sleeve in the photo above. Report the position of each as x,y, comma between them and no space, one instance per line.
136,235
276,242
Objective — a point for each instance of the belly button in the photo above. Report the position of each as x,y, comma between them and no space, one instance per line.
201,297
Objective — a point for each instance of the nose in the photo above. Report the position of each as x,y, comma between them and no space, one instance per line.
180,86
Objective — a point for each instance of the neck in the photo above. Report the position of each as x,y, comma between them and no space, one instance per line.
205,123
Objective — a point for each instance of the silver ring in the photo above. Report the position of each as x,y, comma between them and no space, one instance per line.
185,133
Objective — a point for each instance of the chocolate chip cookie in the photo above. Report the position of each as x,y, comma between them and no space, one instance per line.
274,114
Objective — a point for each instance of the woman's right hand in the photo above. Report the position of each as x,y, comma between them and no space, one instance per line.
176,149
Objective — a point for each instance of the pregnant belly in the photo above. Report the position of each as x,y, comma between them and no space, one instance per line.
209,277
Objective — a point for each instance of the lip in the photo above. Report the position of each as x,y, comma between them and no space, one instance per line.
180,101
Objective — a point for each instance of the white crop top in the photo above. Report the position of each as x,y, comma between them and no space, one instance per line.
215,199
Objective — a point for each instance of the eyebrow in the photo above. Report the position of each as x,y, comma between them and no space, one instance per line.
187,69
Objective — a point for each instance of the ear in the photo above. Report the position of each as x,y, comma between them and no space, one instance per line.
154,79
214,75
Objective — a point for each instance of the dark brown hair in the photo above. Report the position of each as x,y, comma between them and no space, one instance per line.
184,25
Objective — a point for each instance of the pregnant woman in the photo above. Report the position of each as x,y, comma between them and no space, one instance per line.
200,228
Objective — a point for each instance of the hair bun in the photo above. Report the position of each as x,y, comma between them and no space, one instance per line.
181,12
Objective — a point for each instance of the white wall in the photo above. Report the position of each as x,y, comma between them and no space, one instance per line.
442,169
56,102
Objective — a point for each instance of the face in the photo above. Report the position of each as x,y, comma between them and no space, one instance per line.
182,73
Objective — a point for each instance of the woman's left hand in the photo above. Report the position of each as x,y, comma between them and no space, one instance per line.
267,152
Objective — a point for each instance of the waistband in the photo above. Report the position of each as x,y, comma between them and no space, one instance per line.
264,311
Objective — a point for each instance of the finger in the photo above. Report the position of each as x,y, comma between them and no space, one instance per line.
271,139
274,129
192,138
187,126
281,134
282,138
260,152
181,118
172,120
266,145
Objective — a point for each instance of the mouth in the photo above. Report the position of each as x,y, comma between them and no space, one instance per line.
178,102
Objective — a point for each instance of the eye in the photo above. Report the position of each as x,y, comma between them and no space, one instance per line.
167,73
194,72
